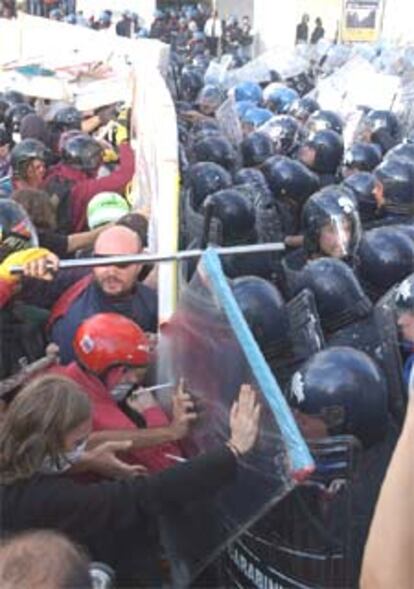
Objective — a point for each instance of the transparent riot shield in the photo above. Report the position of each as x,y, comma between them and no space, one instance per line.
229,121
305,540
208,342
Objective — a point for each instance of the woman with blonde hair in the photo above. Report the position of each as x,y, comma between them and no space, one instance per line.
45,432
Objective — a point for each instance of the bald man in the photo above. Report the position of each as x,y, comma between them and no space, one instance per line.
107,289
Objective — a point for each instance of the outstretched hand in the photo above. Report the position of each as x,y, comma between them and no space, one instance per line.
103,460
244,421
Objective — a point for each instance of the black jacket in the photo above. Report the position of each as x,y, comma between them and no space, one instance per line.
115,520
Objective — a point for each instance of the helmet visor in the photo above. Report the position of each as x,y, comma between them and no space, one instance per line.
338,237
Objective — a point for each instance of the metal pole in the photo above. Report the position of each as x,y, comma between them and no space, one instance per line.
151,258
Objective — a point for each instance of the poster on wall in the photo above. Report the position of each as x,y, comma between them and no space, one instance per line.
361,20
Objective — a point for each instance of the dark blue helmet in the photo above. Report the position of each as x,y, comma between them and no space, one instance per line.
215,149
382,120
397,181
205,178
302,108
320,120
335,209
362,185
265,312
235,214
284,131
255,149
14,116
362,157
280,99
329,150
67,118
191,82
255,116
290,180
385,256
347,390
209,99
340,299
402,151
403,299
249,91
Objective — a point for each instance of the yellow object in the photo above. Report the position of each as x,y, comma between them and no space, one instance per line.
20,258
109,156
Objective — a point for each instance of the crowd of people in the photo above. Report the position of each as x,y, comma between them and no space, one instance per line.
87,449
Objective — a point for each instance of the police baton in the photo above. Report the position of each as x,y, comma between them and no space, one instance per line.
125,260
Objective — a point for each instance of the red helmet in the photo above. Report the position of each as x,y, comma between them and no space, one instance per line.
109,339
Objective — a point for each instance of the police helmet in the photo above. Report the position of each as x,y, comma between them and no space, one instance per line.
329,149
347,390
205,178
216,149
284,131
302,108
247,91
385,257
66,118
397,181
290,180
256,148
25,152
82,152
334,208
362,185
235,214
362,157
280,99
382,120
265,312
339,296
320,120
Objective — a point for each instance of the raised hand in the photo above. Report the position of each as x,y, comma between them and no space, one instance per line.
244,421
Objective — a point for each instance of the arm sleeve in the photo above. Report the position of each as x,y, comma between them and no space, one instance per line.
116,181
68,506
193,480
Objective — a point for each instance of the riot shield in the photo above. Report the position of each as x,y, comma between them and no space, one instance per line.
305,540
385,319
229,121
305,327
305,335
208,342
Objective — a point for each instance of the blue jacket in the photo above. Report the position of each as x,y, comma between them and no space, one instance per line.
140,306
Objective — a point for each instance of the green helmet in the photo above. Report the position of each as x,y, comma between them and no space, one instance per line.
106,207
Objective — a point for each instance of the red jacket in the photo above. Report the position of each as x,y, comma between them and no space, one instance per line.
85,188
106,415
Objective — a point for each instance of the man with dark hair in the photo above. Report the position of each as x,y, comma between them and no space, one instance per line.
42,559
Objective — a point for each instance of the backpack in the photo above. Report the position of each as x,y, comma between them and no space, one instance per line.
60,190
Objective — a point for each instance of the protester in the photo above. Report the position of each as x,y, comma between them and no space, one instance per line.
45,430
112,359
106,289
